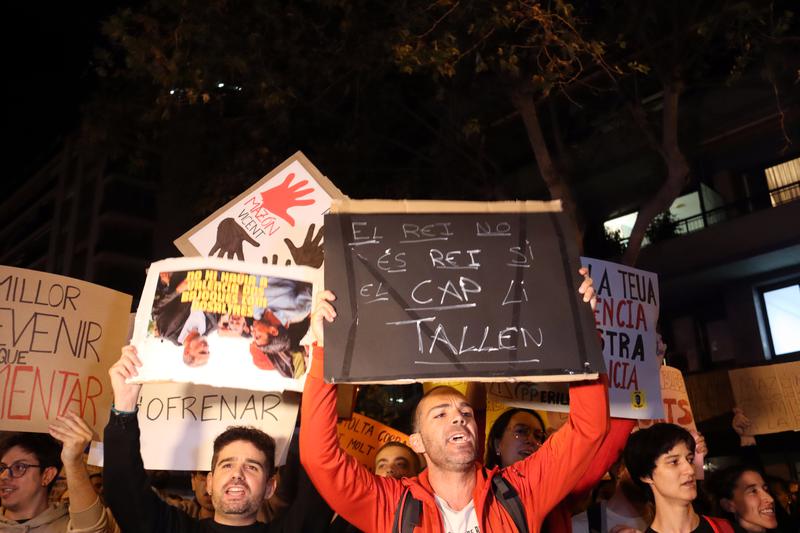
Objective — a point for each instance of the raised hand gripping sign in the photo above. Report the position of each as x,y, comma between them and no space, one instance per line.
271,222
455,290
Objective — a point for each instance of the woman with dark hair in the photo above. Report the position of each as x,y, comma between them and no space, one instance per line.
741,492
517,433
660,460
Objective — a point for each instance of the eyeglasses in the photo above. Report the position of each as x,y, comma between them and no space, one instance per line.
526,433
17,469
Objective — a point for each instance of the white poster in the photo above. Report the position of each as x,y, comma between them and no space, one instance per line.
179,422
626,318
224,323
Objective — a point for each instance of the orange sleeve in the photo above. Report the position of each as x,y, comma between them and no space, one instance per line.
553,471
607,455
362,498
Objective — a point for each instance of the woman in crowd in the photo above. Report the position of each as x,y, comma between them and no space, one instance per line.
660,460
741,493
518,433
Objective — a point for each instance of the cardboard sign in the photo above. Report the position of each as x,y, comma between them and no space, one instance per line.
677,407
278,220
58,337
179,422
224,323
769,396
361,437
460,386
455,291
710,394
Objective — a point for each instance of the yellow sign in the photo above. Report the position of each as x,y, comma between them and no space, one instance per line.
361,437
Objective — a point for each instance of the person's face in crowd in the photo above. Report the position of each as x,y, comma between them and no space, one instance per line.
21,494
231,326
673,477
396,462
201,492
522,437
447,432
262,332
239,483
752,503
783,498
196,353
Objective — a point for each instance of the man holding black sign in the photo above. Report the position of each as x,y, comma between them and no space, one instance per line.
455,493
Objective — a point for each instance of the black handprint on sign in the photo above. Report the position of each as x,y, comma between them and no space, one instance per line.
230,237
311,253
274,260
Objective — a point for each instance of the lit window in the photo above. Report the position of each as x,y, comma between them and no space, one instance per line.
784,182
684,209
782,318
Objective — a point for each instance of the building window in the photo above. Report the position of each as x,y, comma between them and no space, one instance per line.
783,182
781,317
686,210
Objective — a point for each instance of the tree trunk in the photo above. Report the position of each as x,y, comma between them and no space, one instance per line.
677,173
553,179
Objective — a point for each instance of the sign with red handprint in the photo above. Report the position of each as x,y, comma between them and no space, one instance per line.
272,222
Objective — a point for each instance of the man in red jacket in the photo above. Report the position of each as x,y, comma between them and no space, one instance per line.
455,491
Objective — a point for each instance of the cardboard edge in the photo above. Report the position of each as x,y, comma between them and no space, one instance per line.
187,248
566,378
348,205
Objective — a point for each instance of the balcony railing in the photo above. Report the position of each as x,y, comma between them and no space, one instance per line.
779,196
784,195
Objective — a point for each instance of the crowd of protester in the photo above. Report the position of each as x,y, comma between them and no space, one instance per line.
592,474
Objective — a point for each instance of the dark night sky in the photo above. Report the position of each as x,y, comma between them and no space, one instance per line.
48,73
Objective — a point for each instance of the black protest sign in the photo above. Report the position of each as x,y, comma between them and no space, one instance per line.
425,296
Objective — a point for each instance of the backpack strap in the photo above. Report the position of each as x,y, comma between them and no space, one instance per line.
408,513
595,518
511,502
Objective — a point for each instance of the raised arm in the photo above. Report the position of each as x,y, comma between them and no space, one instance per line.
551,473
363,499
608,454
86,512
135,506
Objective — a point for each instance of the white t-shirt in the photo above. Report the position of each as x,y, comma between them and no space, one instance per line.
463,521
580,523
610,519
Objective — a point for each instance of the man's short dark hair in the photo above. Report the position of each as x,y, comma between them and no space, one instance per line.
439,389
397,444
647,445
45,448
256,437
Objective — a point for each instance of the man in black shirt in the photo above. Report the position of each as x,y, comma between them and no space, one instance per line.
241,475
